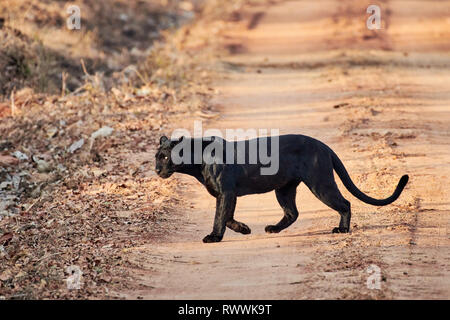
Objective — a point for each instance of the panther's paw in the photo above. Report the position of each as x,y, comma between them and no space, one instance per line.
244,229
211,238
340,230
272,229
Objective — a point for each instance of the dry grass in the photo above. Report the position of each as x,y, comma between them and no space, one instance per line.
37,47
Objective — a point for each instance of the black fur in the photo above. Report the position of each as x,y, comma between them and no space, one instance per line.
302,159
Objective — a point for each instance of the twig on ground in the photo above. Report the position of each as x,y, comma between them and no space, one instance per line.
13,105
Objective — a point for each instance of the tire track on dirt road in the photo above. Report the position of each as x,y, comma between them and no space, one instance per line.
381,111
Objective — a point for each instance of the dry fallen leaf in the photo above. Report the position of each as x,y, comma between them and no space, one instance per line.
8,160
6,238
5,275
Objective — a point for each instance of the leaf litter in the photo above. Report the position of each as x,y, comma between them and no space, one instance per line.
64,204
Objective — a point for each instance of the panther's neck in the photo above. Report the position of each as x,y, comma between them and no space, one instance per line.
194,170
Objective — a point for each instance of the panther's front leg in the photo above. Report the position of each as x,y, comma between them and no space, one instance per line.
225,205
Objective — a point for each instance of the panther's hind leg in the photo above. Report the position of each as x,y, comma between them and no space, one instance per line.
329,194
286,199
238,226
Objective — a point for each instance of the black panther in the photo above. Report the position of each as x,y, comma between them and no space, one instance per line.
301,159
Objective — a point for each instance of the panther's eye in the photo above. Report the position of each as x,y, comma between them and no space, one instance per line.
166,157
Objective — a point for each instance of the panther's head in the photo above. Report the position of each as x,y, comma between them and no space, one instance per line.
164,165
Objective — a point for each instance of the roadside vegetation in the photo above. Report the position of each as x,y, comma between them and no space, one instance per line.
81,113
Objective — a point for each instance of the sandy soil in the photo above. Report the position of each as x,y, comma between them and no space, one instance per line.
381,100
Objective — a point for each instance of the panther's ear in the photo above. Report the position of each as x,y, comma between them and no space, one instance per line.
163,140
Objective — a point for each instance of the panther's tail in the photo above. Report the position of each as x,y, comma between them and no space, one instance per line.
348,183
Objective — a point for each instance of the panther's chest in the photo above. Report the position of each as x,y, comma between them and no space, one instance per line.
212,181
212,187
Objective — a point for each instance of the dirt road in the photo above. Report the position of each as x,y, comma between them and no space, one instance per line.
381,100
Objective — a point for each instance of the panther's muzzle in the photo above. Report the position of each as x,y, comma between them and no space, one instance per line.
163,174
